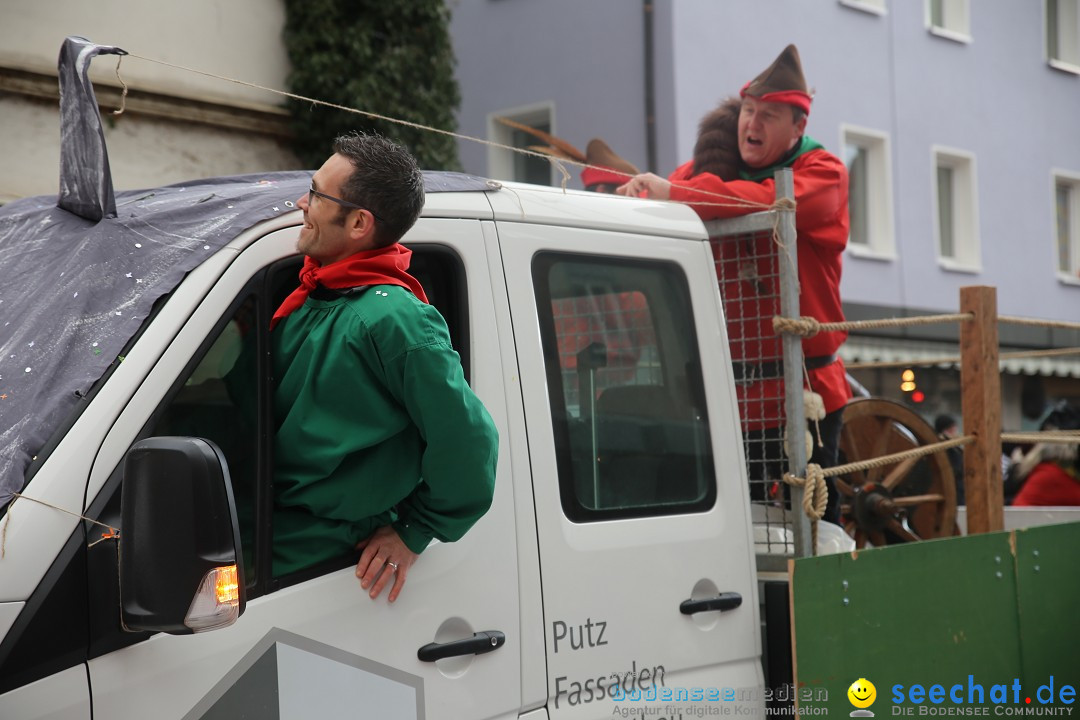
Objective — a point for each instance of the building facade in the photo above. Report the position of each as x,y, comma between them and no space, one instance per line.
955,118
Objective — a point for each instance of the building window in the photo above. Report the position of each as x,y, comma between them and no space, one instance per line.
866,154
949,18
956,210
1063,34
1067,225
875,7
518,167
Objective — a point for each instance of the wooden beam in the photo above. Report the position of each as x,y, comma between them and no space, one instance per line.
980,382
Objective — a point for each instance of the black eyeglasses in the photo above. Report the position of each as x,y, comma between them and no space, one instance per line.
339,201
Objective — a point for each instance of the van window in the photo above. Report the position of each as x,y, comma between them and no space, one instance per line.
218,401
625,387
220,398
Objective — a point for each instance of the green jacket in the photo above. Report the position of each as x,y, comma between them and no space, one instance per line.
375,425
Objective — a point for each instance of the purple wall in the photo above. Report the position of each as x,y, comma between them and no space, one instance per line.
995,97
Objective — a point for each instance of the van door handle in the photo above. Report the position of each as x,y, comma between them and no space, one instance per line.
722,602
478,644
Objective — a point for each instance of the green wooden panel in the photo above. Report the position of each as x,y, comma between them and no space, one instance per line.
924,613
1048,574
1000,611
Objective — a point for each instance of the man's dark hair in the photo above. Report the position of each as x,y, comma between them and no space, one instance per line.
1063,416
797,114
385,180
943,422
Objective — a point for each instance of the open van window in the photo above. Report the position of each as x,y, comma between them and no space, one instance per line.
624,377
226,396
216,397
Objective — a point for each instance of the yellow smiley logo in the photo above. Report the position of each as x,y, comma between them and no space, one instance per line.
862,693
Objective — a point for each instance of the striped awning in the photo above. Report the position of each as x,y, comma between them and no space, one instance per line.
859,350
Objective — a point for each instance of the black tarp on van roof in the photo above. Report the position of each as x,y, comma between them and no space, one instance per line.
74,292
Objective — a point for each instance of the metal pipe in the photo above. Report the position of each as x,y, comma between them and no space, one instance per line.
650,86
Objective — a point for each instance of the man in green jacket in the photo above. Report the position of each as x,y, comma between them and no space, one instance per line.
380,443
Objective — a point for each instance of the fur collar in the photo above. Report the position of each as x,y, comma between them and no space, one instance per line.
717,148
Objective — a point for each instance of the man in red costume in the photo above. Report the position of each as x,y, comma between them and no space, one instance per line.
771,135
1050,473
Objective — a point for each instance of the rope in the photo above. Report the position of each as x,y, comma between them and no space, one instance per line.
780,205
809,327
124,92
897,457
815,492
729,200
814,500
1012,320
806,326
113,532
1058,437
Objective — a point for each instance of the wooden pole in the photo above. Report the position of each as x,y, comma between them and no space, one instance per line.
980,380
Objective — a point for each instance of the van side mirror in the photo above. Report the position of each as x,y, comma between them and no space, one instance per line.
180,569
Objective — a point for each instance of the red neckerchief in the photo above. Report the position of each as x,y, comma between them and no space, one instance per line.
382,266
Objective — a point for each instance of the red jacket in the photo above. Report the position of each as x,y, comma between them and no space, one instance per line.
821,223
1049,484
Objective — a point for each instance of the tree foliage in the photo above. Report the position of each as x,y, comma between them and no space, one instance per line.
390,57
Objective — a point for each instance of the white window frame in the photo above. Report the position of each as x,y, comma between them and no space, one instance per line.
1068,15
966,246
881,236
1072,179
500,161
874,7
957,20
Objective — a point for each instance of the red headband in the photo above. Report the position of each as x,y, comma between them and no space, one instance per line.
595,175
796,98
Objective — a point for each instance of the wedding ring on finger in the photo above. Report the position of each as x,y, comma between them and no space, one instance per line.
392,564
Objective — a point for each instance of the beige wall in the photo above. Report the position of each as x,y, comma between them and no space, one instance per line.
178,125
235,38
143,151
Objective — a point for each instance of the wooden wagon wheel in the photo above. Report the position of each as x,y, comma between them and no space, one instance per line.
914,499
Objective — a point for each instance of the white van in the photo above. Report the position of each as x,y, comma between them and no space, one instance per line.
617,552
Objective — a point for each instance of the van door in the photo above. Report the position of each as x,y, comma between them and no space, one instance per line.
641,501
314,645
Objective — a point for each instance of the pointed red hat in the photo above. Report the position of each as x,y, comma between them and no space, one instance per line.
781,82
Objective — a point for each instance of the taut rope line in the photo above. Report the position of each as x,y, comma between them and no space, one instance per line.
815,474
806,326
113,532
891,459
730,201
1063,324
1058,437
815,492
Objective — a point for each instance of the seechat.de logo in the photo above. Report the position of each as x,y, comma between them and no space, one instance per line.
862,695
